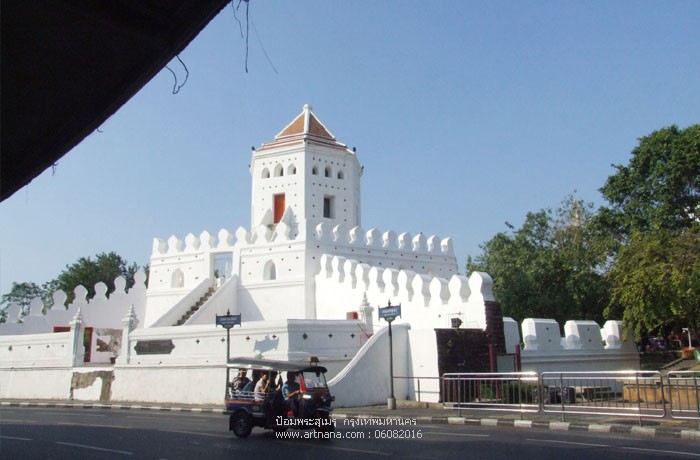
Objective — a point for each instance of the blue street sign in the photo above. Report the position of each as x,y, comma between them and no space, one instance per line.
390,313
228,321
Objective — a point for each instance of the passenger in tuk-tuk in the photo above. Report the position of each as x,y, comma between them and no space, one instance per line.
261,387
240,381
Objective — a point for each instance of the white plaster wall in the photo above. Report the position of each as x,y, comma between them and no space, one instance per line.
580,361
31,350
206,344
225,299
365,380
346,191
35,383
510,330
193,257
272,300
193,384
583,335
430,302
263,189
422,347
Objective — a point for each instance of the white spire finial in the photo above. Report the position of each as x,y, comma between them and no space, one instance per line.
307,116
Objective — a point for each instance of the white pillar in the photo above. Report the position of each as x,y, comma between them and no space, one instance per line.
76,335
128,324
367,313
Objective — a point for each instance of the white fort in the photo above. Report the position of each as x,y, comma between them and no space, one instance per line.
305,277
305,218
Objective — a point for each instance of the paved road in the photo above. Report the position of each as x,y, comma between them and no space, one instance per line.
55,433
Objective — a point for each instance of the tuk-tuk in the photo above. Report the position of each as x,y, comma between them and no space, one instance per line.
309,407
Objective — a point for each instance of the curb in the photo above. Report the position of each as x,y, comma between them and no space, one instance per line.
648,432
112,407
639,431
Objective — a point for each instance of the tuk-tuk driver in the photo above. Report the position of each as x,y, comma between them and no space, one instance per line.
290,390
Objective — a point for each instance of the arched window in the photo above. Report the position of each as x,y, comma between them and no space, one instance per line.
329,172
291,170
341,175
314,171
178,279
279,171
265,173
270,271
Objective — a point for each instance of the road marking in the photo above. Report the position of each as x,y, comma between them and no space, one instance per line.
212,435
123,452
70,413
15,438
675,452
552,441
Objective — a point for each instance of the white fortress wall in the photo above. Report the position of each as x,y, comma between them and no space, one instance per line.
194,368
178,266
424,384
224,300
581,349
430,256
428,301
365,380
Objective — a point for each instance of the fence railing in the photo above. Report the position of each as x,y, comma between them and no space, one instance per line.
507,391
639,394
684,394
619,393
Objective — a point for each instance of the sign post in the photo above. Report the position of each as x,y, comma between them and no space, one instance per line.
227,321
389,314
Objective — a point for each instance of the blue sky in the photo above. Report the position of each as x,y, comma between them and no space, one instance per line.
464,114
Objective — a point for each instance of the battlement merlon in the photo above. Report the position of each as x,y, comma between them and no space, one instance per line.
373,238
225,240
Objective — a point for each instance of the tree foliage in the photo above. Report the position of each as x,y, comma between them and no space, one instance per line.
22,295
659,188
106,267
656,281
653,224
550,267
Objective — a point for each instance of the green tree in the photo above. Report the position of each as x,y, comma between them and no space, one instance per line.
552,267
652,229
656,281
106,267
22,295
659,188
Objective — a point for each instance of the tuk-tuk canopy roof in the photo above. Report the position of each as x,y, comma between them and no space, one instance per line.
271,365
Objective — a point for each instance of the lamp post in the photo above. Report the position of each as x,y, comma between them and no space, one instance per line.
690,342
389,314
227,321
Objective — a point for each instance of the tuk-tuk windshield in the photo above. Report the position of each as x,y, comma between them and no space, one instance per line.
314,380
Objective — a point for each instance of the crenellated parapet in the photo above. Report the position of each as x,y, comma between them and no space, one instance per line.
102,311
389,240
544,336
422,296
191,244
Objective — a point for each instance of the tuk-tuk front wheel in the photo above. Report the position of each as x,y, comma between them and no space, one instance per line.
241,424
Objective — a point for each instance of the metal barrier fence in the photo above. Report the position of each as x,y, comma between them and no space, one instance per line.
640,394
505,391
684,394
619,393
